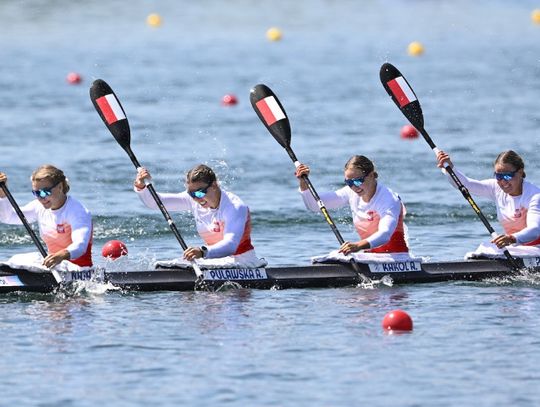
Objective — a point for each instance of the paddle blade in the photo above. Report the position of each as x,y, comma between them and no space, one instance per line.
402,94
271,112
111,112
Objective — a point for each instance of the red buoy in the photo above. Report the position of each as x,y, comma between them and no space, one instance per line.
229,100
408,132
73,78
397,320
113,249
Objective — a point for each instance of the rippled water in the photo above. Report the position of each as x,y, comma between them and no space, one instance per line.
478,85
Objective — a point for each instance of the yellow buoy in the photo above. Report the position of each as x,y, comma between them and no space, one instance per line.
153,20
415,49
273,34
535,16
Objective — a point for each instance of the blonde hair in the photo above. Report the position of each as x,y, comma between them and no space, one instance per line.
51,173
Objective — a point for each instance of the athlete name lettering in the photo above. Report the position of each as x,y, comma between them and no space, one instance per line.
397,267
235,274
81,275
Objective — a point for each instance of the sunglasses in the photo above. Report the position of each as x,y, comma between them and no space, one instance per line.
355,182
199,193
506,176
43,192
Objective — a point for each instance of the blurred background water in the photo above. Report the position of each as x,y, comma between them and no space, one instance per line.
478,85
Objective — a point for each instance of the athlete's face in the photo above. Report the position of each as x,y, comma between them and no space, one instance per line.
49,195
510,180
366,188
207,196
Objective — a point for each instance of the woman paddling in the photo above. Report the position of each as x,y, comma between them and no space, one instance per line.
64,223
518,201
377,211
223,220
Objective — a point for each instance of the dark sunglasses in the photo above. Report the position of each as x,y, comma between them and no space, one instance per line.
43,192
200,193
355,182
506,176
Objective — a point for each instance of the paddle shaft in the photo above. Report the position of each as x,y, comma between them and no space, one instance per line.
318,199
466,194
28,228
325,213
158,201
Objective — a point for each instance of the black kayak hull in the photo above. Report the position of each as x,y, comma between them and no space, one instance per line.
311,276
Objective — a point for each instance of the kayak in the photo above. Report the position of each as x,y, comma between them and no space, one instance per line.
309,276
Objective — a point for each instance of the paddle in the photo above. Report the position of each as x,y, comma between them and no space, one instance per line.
272,114
30,231
111,112
405,99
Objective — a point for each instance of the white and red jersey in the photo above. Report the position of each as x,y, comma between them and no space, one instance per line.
225,230
519,215
69,227
379,221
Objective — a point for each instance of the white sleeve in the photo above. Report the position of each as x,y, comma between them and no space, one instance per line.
332,200
235,219
81,233
532,230
484,188
387,226
9,216
172,202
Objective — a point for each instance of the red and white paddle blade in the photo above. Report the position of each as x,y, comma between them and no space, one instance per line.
111,112
272,114
402,94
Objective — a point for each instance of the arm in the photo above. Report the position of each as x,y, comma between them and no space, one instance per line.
485,188
81,235
9,216
172,202
235,224
387,227
532,230
332,200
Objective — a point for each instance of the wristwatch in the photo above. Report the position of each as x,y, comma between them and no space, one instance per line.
204,251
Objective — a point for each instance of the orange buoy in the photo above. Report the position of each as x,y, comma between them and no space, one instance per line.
397,320
408,132
73,78
229,100
114,249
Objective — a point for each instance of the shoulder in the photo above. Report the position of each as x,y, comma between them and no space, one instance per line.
75,205
345,192
530,189
386,194
232,200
